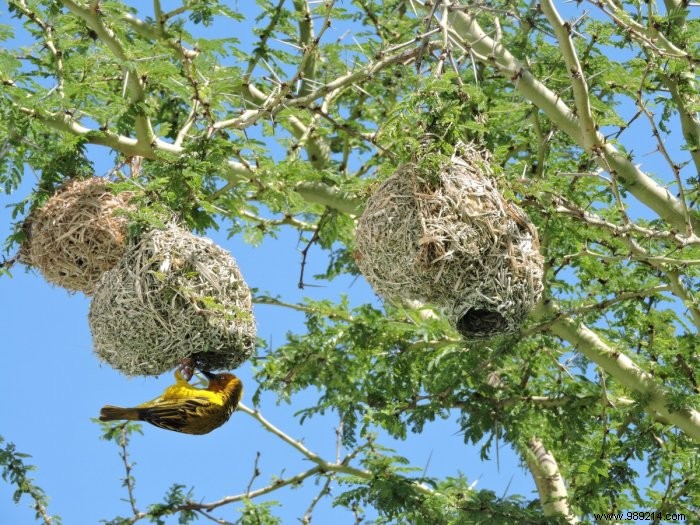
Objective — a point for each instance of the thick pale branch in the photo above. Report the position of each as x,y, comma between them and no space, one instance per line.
307,41
622,368
639,184
146,144
144,130
648,36
65,123
126,145
187,125
690,123
315,192
679,288
550,485
564,206
578,81
329,196
106,36
317,149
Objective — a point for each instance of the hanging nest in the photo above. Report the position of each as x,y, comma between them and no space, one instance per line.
172,296
443,234
78,234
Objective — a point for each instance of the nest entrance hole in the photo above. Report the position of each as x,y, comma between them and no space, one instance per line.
449,238
479,322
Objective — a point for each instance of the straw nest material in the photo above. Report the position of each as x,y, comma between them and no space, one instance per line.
447,236
78,234
172,296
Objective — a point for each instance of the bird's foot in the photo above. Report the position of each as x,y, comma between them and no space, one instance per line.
186,368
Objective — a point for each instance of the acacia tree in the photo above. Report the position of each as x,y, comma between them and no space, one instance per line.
294,131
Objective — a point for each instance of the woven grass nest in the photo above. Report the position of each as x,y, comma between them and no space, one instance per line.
172,296
446,236
78,234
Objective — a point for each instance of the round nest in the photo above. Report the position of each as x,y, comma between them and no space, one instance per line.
78,234
447,236
172,296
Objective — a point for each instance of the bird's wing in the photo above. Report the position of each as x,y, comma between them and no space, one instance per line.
175,414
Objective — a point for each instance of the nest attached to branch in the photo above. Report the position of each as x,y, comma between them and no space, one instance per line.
450,238
78,234
172,296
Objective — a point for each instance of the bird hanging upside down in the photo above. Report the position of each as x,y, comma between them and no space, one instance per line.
185,408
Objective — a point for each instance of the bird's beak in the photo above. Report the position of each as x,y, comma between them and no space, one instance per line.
209,375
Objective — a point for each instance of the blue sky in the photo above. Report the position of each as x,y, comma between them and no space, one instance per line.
53,385
56,385
61,385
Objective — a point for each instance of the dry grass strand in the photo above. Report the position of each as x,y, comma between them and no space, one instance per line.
173,296
78,234
451,239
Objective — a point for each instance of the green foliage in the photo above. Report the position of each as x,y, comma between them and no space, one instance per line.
259,513
341,96
119,432
397,497
174,498
16,472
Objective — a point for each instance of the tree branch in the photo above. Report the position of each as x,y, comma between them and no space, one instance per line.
128,478
151,32
91,16
15,471
308,42
126,145
49,42
275,485
329,196
591,139
270,107
639,184
649,37
550,485
323,466
564,206
675,168
621,367
690,123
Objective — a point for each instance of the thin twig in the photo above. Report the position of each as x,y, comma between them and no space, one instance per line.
256,473
306,519
128,479
6,264
305,251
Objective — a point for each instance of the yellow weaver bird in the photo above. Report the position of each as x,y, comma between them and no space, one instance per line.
185,408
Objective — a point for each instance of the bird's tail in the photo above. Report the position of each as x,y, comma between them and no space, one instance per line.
111,413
